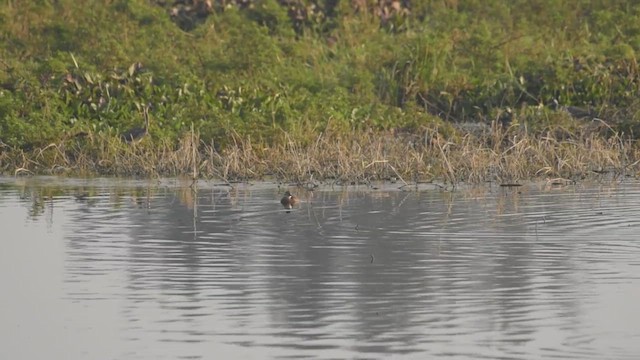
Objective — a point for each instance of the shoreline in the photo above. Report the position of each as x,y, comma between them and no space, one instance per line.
502,156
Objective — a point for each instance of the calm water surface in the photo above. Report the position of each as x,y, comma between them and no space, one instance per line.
114,269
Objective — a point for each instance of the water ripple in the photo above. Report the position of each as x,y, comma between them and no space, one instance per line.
161,272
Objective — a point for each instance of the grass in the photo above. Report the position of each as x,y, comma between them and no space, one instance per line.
498,155
347,91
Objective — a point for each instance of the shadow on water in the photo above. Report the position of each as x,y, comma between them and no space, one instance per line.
152,270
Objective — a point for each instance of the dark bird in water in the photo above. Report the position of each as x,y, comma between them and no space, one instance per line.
288,200
136,134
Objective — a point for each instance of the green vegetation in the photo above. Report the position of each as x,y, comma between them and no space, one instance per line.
349,89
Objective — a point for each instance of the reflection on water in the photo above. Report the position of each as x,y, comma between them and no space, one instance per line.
156,270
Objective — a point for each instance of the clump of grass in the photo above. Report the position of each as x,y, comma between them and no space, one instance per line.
427,154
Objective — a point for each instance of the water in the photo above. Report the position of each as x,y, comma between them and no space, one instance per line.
115,269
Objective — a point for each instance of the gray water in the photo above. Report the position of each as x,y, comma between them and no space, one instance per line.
114,269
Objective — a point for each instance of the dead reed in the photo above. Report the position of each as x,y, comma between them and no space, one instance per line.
424,155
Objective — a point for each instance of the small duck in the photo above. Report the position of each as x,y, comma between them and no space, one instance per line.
288,200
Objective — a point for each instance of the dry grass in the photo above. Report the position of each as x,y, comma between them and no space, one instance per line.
500,155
